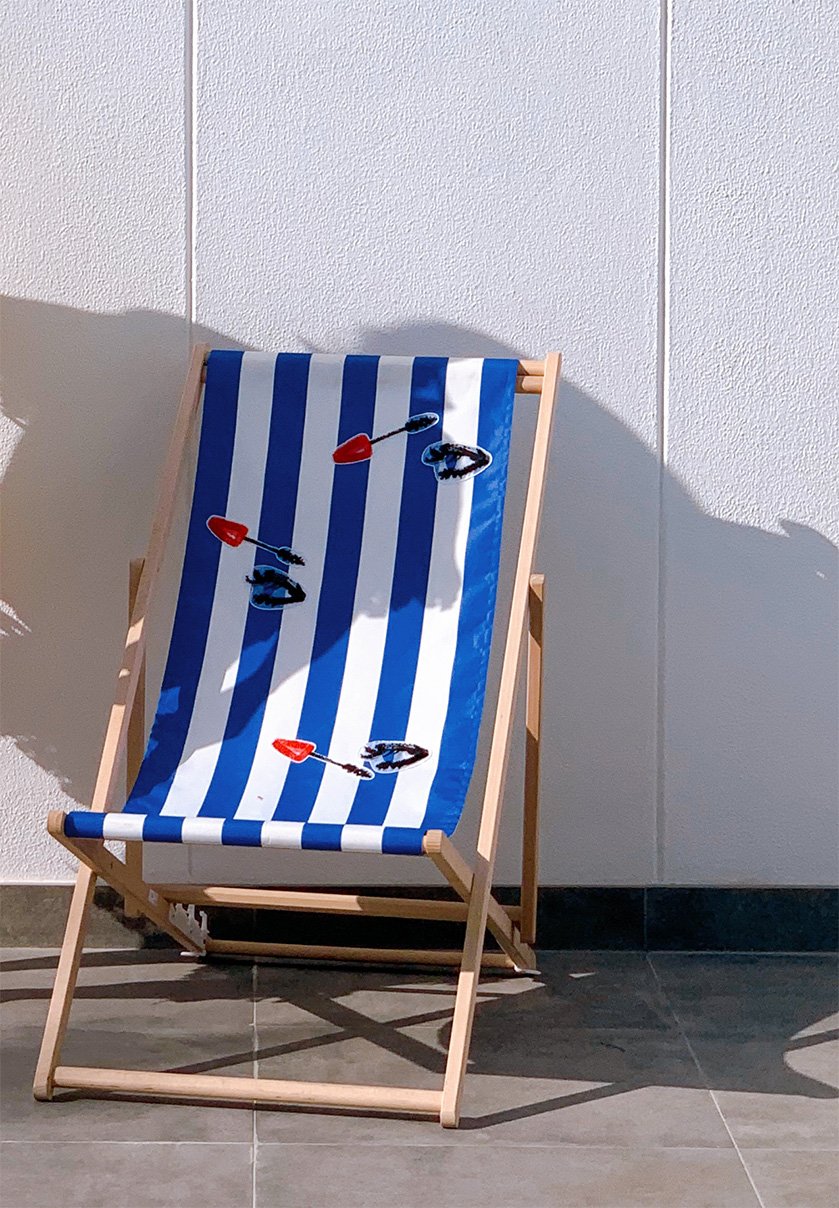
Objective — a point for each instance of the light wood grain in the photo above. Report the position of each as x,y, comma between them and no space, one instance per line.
457,872
320,903
372,956
532,750
96,856
72,946
136,737
129,672
218,1087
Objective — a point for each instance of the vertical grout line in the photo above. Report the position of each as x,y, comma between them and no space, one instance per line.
255,1074
662,416
702,1077
190,85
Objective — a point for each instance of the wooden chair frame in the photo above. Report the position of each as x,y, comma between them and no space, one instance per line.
172,907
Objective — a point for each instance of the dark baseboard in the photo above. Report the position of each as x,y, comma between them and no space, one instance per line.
656,919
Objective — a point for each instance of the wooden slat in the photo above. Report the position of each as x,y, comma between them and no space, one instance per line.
457,872
73,944
96,856
219,1087
66,976
129,672
373,956
136,737
497,767
533,719
320,903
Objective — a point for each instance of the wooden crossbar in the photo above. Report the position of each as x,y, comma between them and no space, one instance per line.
370,956
529,376
216,1087
310,901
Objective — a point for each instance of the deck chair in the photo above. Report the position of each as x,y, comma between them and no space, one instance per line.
326,673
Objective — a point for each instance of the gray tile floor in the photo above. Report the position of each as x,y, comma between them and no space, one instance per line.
608,1081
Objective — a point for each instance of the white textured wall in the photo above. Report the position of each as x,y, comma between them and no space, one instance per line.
472,177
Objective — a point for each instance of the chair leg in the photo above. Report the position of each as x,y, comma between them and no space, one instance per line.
65,983
464,1004
443,853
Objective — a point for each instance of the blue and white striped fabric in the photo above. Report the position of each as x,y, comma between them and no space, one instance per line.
372,653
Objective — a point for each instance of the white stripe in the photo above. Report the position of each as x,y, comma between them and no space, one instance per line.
294,649
371,609
282,834
123,826
202,830
438,643
362,838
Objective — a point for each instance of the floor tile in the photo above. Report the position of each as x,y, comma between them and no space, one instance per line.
792,1179
536,1085
125,1176
774,1095
336,1176
734,995
573,990
132,1010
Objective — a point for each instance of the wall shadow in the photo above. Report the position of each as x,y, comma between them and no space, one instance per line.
750,672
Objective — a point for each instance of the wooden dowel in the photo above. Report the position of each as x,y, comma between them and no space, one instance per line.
535,368
322,903
529,371
533,725
529,385
381,956
249,1090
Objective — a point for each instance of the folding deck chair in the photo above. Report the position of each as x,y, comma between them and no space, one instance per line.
326,673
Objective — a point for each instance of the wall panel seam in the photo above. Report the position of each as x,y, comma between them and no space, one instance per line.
662,416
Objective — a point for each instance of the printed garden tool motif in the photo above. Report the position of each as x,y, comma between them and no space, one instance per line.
452,461
231,532
272,588
297,750
392,756
360,446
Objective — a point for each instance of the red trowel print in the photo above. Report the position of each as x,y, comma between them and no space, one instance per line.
231,532
297,750
360,446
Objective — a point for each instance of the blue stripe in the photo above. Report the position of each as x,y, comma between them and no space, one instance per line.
396,840
402,841
262,626
84,824
241,833
337,594
480,583
163,829
321,836
198,584
412,563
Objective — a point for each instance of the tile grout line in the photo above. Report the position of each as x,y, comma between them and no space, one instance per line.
702,1075
190,107
255,1072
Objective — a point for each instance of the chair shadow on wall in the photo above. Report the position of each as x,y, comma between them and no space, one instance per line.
750,652
753,662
